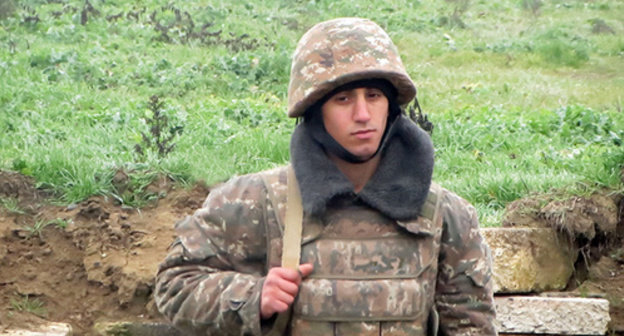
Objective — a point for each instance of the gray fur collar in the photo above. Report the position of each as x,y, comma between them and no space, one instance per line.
399,187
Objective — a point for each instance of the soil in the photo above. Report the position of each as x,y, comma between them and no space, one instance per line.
99,267
95,261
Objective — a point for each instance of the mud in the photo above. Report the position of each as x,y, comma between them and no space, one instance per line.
99,267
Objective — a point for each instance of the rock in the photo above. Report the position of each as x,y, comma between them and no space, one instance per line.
529,259
553,316
48,329
134,329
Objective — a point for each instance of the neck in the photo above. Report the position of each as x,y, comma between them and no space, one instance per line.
358,173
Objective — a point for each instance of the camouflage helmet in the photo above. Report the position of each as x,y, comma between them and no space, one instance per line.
335,52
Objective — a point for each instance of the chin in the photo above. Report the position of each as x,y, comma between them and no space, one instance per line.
364,153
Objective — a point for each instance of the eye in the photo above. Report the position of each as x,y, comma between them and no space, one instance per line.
340,97
374,93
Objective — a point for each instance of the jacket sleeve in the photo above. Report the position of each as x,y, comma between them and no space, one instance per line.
464,295
210,282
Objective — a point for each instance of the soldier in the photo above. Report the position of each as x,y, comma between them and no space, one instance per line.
384,250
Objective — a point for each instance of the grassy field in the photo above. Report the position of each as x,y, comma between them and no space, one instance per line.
526,96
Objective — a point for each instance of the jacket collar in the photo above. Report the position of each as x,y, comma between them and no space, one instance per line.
398,188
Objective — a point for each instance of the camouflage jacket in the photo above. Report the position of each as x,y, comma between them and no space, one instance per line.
210,283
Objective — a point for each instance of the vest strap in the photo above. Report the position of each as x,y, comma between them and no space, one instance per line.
291,248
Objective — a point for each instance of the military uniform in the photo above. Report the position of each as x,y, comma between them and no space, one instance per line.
371,274
402,256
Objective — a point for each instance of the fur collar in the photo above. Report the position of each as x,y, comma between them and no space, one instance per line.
398,188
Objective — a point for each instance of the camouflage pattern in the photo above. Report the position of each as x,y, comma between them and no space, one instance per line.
372,276
339,51
367,268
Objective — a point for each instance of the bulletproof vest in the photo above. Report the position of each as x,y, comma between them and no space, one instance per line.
372,275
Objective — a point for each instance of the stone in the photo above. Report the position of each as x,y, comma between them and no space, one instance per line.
551,315
529,260
48,329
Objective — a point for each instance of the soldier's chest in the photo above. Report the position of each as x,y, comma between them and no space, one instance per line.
360,243
367,269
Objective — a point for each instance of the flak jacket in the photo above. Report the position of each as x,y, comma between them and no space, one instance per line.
385,262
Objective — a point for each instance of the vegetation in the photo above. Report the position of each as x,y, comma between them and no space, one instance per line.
39,225
31,305
525,96
11,205
161,133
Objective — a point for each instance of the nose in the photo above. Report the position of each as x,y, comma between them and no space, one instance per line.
360,109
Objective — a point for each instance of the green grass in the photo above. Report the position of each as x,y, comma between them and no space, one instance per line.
29,305
11,205
39,225
507,155
526,96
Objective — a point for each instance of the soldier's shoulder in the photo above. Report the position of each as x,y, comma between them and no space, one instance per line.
253,178
247,186
277,174
458,214
448,197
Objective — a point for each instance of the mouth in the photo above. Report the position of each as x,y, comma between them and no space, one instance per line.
363,134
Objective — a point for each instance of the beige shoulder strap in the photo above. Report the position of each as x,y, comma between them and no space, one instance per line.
291,249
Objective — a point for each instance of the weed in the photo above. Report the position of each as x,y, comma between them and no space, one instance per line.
421,119
39,225
12,205
37,228
583,291
599,26
131,189
459,9
87,10
7,7
29,305
30,17
161,132
534,6
559,48
60,222
584,126
176,25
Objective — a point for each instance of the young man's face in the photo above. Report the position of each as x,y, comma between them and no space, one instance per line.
356,119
